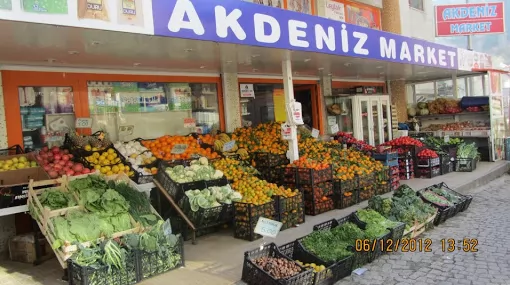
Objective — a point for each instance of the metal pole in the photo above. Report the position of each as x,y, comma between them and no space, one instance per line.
470,47
288,87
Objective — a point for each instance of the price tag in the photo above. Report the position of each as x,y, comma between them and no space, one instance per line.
228,146
83,123
331,120
446,138
267,227
334,128
315,133
189,123
179,148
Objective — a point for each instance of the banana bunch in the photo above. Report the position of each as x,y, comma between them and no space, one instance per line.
223,139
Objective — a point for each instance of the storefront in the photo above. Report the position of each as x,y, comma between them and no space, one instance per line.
39,105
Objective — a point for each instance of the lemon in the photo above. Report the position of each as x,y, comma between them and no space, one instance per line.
115,169
97,167
110,157
109,173
8,162
102,158
126,168
104,170
111,151
22,159
94,149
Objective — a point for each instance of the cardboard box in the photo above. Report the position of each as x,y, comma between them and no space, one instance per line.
14,183
22,248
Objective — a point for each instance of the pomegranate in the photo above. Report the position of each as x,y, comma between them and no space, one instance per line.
55,149
45,149
86,171
53,174
78,167
70,172
63,163
57,157
65,157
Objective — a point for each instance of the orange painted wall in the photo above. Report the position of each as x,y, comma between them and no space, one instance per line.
78,81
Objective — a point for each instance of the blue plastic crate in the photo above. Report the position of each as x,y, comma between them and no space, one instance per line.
387,158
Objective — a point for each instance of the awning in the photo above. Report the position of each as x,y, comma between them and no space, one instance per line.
49,45
220,36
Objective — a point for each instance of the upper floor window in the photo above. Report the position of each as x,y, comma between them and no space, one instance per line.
416,4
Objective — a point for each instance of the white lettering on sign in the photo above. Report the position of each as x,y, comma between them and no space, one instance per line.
267,227
388,48
359,47
322,38
230,21
260,20
295,34
234,24
184,9
179,148
405,54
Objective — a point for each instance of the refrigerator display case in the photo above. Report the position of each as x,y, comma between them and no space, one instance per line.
367,117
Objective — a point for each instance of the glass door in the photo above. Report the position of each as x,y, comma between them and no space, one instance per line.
376,118
386,118
366,120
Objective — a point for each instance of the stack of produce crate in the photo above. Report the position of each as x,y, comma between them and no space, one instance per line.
367,186
246,217
390,160
346,193
428,164
268,165
316,185
394,177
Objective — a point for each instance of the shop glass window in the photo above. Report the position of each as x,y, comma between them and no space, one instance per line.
47,113
461,88
263,107
444,88
416,4
127,110
424,92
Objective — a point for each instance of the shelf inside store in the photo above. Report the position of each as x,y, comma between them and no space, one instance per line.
432,116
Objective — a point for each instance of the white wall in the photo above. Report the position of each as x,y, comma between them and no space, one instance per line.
416,23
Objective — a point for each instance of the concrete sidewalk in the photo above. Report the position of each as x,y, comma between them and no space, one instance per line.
217,259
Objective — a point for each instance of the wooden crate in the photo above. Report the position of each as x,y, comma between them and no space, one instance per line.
418,229
43,216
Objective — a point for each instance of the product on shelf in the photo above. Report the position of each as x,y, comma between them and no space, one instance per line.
177,148
17,162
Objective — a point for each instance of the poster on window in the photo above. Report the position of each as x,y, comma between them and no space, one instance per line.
335,10
301,6
363,15
497,115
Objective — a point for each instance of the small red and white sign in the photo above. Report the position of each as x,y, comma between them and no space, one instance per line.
189,123
247,91
470,19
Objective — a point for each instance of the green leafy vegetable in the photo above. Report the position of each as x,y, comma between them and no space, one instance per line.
56,199
377,225
436,199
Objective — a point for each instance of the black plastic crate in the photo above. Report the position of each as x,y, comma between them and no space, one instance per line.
150,264
428,172
176,190
12,150
345,185
319,189
104,275
308,176
428,161
344,199
254,275
140,178
465,200
267,160
465,164
318,205
246,217
383,187
333,272
447,164
450,150
288,175
290,210
203,218
272,175
366,180
443,215
367,192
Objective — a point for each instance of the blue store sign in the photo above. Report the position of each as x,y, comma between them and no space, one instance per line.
240,22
